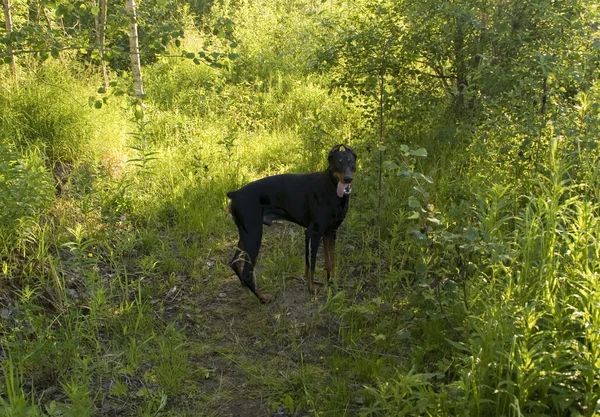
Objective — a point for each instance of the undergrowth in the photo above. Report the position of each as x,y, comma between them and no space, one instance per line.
467,278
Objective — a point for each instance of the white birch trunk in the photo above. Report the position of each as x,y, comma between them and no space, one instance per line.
134,49
8,24
101,37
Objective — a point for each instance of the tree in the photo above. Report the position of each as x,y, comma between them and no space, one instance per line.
134,49
100,20
8,24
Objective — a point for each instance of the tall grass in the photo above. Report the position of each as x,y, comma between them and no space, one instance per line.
466,288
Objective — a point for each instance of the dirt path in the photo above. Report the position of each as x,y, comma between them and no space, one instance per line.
250,358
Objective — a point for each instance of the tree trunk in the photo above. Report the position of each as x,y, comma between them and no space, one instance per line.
134,49
100,38
8,23
460,67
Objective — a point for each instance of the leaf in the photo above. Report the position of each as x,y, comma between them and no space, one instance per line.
101,90
405,174
450,285
414,216
98,104
419,152
391,165
458,346
420,176
413,202
403,334
471,233
379,337
449,236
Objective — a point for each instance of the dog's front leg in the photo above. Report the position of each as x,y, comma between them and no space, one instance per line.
329,249
312,246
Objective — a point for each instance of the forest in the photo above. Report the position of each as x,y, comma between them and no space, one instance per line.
466,271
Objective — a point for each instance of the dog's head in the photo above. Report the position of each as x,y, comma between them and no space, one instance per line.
342,164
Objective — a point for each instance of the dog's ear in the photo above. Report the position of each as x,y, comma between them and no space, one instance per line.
348,148
332,151
339,147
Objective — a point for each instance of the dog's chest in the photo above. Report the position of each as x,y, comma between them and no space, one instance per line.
340,212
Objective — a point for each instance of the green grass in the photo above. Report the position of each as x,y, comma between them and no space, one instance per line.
463,287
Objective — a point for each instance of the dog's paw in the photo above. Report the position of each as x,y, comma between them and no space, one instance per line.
265,298
315,287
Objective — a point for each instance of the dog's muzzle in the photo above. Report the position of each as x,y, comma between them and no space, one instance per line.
343,189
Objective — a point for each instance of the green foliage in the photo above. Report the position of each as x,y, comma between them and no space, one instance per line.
466,265
25,191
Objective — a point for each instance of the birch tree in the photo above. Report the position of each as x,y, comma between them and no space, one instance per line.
101,38
8,23
134,49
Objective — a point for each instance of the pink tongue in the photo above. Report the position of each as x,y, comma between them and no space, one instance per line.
340,189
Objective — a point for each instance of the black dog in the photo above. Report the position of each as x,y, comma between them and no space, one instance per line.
317,201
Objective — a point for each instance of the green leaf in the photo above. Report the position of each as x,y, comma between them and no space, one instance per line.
449,236
419,152
98,104
414,216
178,42
101,90
458,346
450,285
390,165
420,176
433,220
95,10
471,233
413,202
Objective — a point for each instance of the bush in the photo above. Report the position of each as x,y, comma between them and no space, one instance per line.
25,189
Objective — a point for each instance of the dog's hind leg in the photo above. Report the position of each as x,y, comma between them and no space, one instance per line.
251,240
238,259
